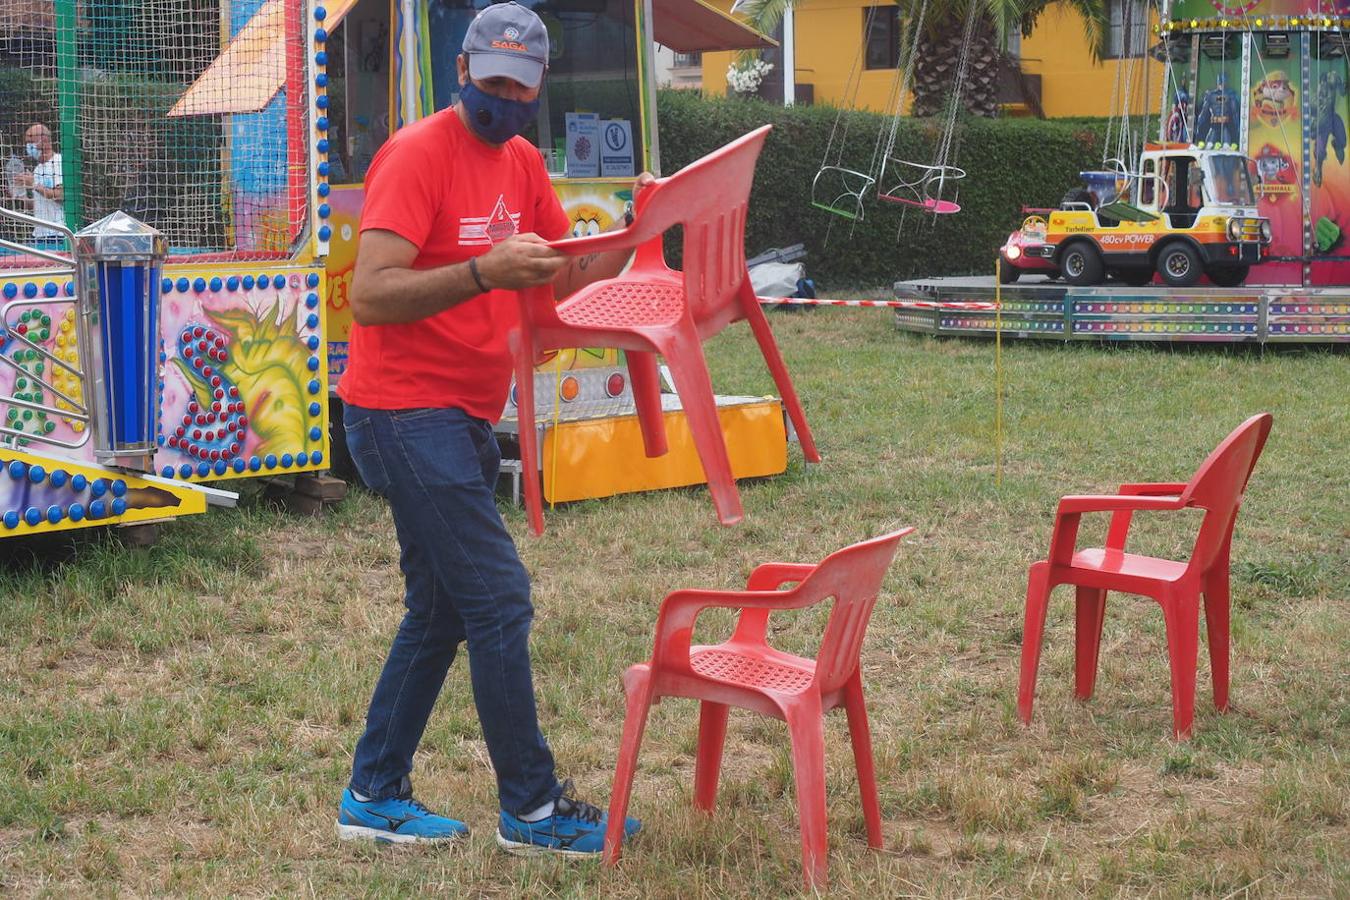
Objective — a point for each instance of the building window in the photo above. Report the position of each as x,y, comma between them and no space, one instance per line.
1128,35
881,36
688,60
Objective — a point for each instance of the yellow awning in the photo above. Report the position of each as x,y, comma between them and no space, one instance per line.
252,69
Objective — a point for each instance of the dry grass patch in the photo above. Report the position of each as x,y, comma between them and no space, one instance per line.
180,720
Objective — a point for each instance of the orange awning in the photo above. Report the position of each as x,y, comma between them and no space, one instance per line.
248,74
692,26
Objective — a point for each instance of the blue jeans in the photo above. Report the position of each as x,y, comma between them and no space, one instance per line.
464,583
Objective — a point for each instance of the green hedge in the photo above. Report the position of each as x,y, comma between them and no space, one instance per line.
1009,163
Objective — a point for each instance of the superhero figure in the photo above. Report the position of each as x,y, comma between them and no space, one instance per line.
1181,111
1218,118
1329,124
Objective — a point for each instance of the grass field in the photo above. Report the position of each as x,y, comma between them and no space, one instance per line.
180,719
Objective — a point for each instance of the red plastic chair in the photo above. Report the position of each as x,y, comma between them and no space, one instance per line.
651,309
747,673
1217,488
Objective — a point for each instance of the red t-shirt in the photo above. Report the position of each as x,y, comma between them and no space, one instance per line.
438,186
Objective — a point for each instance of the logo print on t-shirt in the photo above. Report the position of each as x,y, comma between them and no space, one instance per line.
487,230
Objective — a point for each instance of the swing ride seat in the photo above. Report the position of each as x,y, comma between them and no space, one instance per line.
651,309
852,184
918,192
937,207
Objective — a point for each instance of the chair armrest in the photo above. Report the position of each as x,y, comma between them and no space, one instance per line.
622,239
753,623
1082,503
680,609
1153,489
1118,532
772,576
638,232
1067,518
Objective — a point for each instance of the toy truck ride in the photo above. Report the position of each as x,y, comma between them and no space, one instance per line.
1188,211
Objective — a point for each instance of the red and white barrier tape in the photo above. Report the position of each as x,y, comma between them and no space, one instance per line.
973,305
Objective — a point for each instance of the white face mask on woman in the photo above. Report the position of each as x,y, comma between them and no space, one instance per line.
34,152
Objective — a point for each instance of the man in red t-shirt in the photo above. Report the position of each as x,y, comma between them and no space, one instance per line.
457,213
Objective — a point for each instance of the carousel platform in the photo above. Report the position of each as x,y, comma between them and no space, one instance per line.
1040,308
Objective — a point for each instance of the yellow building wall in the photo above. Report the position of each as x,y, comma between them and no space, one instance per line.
829,47
1072,84
829,43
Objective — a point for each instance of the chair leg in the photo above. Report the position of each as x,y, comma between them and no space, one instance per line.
1182,615
806,728
1217,630
528,437
1090,613
646,383
637,688
700,410
860,734
759,325
712,735
1033,629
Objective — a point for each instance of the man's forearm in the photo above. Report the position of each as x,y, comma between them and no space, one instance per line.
582,270
396,295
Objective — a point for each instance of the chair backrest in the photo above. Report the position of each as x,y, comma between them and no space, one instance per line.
710,197
1218,485
853,577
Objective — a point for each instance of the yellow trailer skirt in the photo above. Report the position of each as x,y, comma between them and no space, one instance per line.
600,457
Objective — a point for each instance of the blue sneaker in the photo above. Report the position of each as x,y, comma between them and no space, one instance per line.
395,820
575,829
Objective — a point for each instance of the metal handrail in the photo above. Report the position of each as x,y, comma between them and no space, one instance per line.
78,411
25,219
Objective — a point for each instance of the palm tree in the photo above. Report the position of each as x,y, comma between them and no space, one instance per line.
940,43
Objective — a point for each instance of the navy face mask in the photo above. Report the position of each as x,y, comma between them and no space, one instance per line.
496,120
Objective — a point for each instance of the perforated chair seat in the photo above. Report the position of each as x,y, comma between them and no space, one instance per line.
730,667
625,304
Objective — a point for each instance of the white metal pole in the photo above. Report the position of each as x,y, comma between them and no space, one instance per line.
789,57
410,63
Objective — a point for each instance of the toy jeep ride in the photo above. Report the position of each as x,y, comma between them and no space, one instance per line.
1188,211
